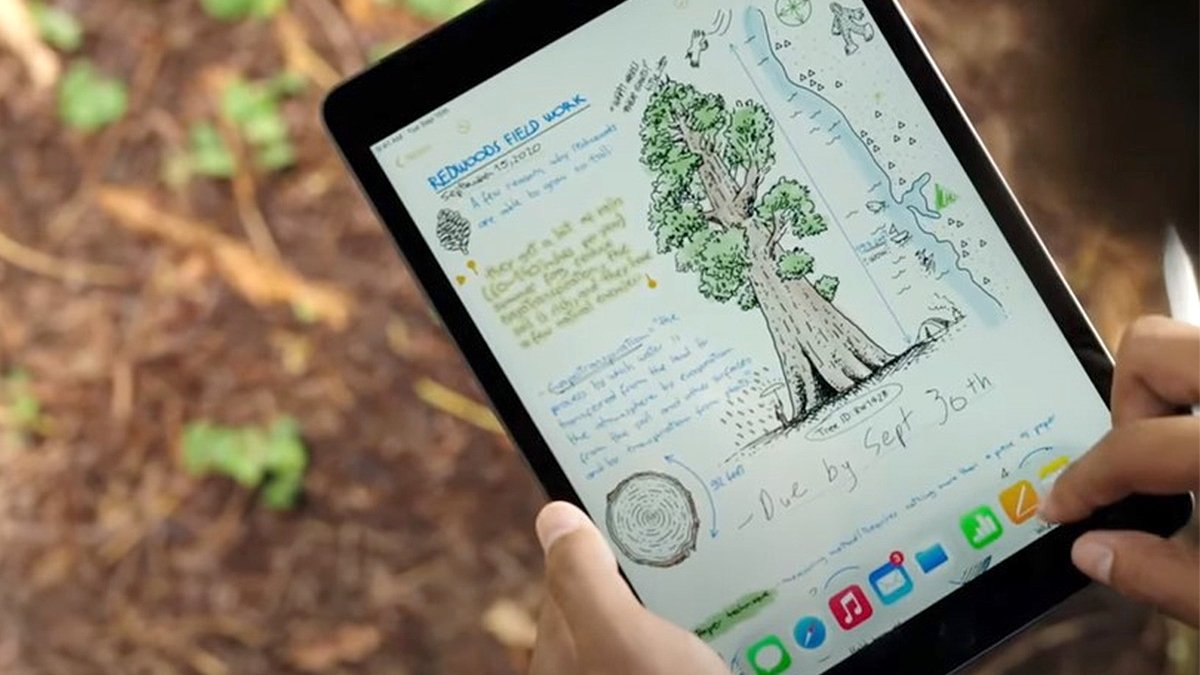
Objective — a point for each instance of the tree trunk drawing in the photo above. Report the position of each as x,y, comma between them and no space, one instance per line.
709,162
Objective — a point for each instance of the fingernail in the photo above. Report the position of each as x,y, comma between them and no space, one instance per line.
557,520
1093,559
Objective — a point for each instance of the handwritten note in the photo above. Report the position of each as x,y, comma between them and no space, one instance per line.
565,276
634,397
515,179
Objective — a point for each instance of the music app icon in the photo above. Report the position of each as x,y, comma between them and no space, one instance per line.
850,607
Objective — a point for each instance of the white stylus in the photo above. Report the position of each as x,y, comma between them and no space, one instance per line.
1183,295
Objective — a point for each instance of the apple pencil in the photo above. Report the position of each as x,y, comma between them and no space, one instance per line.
1183,295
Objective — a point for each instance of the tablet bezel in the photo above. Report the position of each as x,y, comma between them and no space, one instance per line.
444,64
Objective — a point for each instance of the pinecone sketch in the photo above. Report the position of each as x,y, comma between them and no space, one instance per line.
453,230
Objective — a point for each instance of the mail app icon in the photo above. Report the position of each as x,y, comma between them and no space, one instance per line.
891,582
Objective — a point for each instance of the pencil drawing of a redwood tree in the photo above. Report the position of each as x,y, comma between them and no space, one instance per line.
710,161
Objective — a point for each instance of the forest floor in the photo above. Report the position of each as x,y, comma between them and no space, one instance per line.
138,297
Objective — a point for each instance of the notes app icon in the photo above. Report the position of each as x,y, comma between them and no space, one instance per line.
850,607
1020,502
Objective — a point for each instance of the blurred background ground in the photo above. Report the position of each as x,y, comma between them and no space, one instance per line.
179,243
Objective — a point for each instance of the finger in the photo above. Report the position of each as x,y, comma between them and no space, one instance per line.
1162,572
582,575
554,652
1150,456
1158,369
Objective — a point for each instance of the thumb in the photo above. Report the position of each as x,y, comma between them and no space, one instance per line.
1145,567
581,573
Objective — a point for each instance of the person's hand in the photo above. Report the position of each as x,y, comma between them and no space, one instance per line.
1152,449
591,623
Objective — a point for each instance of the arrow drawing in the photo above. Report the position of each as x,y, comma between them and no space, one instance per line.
712,505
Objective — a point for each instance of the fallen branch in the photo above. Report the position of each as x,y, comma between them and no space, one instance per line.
260,280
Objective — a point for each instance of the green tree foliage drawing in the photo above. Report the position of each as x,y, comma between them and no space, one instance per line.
710,161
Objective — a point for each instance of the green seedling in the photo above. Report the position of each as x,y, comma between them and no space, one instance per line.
273,459
58,27
89,101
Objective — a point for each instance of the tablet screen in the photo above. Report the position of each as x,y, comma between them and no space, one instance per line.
759,313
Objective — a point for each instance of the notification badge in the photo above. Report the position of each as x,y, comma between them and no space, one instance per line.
850,607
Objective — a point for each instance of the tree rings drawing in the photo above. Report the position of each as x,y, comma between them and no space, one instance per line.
652,519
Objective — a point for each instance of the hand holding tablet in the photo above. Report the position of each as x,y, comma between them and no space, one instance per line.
743,285
1153,449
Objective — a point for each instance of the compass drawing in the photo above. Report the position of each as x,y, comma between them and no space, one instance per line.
793,12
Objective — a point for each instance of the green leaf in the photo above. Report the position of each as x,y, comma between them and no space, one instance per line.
286,84
232,10
89,101
304,313
795,264
57,26
827,287
242,100
380,51
255,111
274,458
209,155
265,126
276,156
440,10
227,10
24,405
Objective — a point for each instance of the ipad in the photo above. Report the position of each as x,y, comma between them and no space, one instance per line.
742,282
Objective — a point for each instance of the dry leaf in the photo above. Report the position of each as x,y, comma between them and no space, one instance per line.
261,281
19,32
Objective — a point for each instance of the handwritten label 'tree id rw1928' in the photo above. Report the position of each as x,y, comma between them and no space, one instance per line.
565,276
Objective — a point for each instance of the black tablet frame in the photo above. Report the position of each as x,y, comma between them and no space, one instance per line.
445,63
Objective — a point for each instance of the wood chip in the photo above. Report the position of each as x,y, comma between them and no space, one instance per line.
19,32
449,401
350,643
511,624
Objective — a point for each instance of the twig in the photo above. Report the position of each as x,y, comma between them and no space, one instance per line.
245,195
245,190
340,33
259,279
64,221
30,260
299,56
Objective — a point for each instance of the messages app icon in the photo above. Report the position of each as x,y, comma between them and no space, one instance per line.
768,656
981,527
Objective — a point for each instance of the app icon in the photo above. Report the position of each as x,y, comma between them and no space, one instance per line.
981,527
850,607
931,558
891,581
1020,501
809,632
768,656
1053,469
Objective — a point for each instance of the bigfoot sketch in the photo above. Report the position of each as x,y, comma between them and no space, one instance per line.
710,161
